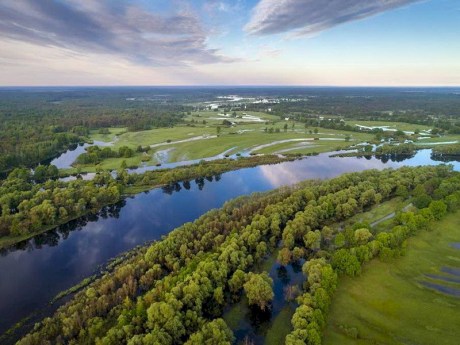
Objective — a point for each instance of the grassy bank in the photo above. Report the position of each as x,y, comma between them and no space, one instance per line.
199,137
388,304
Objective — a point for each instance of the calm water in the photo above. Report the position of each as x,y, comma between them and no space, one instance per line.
254,324
65,160
32,273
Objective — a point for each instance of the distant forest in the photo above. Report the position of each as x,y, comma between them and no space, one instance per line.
36,124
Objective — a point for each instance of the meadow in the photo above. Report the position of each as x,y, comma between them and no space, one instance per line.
403,126
203,135
389,303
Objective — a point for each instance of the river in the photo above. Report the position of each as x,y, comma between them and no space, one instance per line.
34,271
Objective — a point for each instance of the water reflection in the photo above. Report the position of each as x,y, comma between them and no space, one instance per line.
53,237
384,158
254,325
445,158
34,271
65,160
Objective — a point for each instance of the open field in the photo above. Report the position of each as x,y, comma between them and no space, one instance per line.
388,304
202,140
379,211
216,117
114,131
391,125
449,138
256,132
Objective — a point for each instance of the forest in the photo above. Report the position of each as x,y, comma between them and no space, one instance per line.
36,125
174,291
31,203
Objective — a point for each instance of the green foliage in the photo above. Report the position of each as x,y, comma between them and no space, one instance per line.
258,289
171,289
215,332
438,208
362,236
28,208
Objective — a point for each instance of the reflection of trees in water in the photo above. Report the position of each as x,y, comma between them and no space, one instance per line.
259,319
297,266
394,157
200,182
445,158
283,275
71,147
52,237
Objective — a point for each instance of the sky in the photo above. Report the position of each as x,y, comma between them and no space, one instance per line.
223,42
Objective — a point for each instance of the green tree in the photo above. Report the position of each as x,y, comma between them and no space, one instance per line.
362,236
312,240
284,256
438,208
258,289
215,332
345,262
339,240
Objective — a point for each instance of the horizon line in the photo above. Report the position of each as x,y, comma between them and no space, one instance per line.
229,86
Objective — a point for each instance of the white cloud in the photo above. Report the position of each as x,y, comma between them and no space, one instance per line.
311,16
123,28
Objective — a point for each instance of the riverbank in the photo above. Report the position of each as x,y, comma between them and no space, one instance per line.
194,261
61,258
138,183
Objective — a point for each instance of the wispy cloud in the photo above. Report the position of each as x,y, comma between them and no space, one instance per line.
304,17
123,28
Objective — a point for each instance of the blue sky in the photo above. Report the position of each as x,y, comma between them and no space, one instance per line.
222,42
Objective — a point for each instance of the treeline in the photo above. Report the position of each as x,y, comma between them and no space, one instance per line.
95,155
428,107
446,150
357,245
36,125
33,202
401,149
27,207
202,169
31,144
176,292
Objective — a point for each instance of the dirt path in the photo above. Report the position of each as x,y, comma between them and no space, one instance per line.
391,215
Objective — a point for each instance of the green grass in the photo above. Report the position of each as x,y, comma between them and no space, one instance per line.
114,131
239,138
210,115
250,140
161,135
388,305
445,138
280,327
379,211
242,137
394,125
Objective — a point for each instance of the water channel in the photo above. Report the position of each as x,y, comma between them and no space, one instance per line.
34,271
